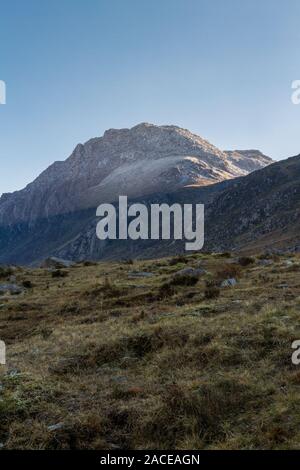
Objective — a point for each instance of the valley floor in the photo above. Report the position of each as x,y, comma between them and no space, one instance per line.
105,356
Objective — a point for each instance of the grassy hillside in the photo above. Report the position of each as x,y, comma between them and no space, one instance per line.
98,357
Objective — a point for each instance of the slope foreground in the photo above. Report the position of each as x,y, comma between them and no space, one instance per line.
120,355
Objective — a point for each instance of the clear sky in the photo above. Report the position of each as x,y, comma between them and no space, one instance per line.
73,68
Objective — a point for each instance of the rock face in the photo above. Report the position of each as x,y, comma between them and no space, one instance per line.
143,160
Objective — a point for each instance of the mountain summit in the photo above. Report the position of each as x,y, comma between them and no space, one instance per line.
56,213
143,160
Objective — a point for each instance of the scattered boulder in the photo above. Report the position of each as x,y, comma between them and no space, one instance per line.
135,274
229,282
266,262
192,272
55,427
56,263
13,289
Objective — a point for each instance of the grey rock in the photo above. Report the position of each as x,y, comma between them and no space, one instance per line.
114,447
229,282
190,272
55,427
13,289
265,262
135,274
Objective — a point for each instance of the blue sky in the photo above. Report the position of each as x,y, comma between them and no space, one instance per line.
74,68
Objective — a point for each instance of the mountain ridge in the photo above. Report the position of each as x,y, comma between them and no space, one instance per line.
257,211
56,213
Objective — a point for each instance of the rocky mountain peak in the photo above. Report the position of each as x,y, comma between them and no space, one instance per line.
142,160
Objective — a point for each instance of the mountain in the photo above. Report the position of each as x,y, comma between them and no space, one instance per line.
259,210
248,160
55,214
143,160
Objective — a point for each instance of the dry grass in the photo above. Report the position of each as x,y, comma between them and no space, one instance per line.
144,363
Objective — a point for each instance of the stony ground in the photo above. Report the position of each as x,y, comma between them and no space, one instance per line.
131,355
